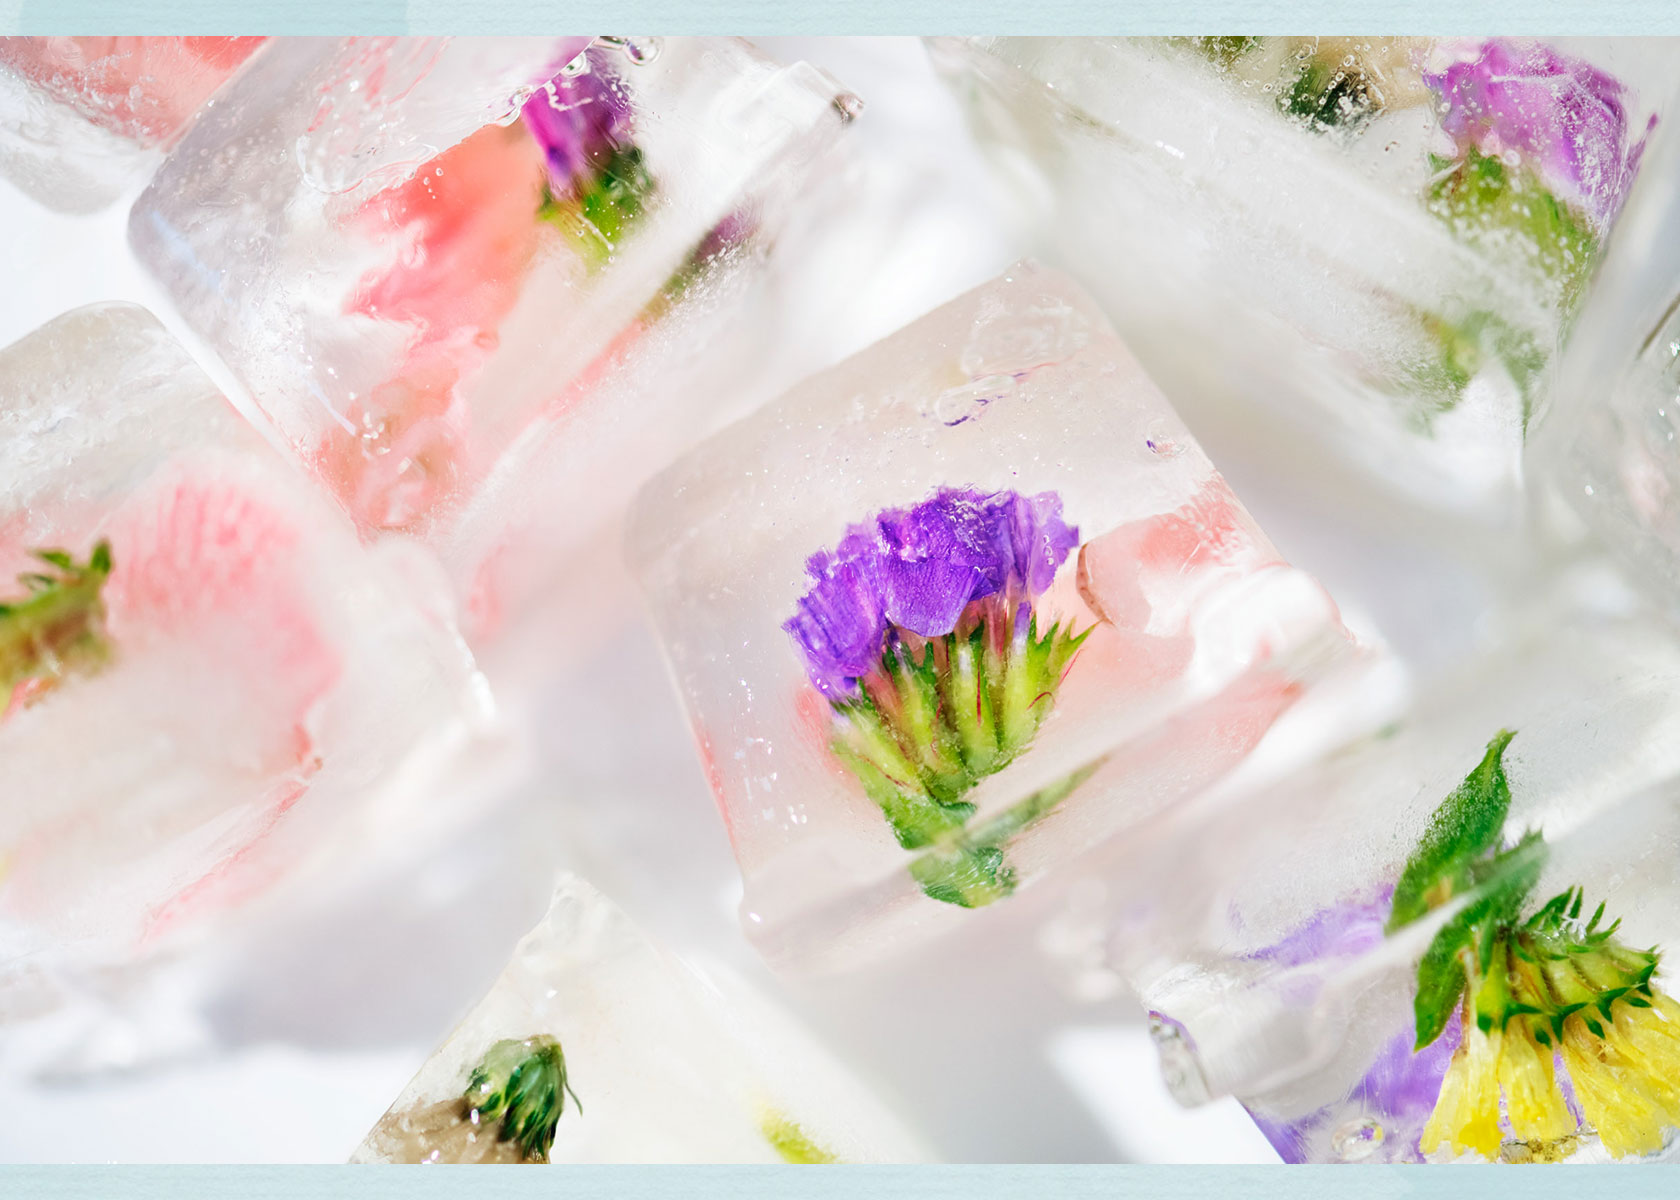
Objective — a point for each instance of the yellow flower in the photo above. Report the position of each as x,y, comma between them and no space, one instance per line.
1467,1111
1626,1071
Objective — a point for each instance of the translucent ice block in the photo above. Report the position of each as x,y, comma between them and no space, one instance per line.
84,118
1610,450
431,260
958,609
621,1052
201,669
1382,238
1305,948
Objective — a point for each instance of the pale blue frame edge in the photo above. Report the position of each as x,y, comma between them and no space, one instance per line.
1087,1182
855,17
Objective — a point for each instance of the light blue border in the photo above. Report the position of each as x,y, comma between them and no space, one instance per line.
818,1183
853,17
839,1183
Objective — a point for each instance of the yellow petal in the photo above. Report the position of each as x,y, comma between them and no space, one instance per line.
1533,1101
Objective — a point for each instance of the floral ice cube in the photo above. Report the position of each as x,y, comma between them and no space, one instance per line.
200,667
1385,238
596,1045
87,117
1447,940
958,609
427,258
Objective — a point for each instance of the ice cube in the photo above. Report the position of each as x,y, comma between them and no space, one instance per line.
85,118
958,609
1609,451
202,669
1379,240
620,1052
1294,945
447,269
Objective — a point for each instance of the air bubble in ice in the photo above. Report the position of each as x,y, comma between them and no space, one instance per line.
967,401
1354,1140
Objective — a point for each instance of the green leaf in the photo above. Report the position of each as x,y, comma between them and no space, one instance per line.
1465,826
1502,885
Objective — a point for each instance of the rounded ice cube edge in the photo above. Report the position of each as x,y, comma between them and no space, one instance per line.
209,790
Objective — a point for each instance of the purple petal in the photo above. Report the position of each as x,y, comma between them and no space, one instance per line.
917,569
1564,117
576,119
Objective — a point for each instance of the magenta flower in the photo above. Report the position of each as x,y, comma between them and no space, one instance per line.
576,119
917,570
1564,117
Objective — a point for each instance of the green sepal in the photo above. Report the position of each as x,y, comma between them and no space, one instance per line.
936,718
1465,827
1472,937
970,871
600,209
58,626
1329,96
1481,198
522,1084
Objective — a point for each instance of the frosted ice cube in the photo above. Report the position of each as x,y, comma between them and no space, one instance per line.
1057,620
443,267
1272,936
85,118
204,671
1610,449
667,1064
1380,240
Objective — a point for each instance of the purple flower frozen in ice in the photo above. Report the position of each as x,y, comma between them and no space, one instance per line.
576,119
1561,115
917,569
1399,1089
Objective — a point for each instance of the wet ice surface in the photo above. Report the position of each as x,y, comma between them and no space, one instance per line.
327,1005
610,204
88,118
1317,263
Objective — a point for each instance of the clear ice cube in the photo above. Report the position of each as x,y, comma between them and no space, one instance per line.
1294,944
201,668
86,118
952,612
1379,240
1609,451
448,269
660,1062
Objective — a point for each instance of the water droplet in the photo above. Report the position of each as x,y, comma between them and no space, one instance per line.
1180,1069
1358,1139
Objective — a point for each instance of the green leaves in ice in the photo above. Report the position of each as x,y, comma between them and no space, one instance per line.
1460,855
522,1084
57,627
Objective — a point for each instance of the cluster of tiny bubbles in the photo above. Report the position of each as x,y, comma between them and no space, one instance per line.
1356,1139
